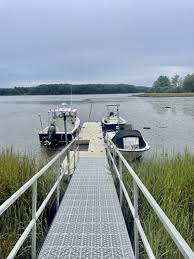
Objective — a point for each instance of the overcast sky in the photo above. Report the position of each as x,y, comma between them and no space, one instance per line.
105,41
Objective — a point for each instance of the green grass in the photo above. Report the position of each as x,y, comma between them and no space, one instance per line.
15,170
170,179
166,95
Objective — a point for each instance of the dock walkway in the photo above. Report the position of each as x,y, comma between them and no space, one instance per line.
89,222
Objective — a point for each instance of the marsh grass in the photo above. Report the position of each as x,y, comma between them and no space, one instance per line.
186,94
16,169
170,180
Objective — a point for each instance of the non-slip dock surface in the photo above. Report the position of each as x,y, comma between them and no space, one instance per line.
89,222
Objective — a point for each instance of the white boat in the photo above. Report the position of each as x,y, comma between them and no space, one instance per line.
129,142
63,127
112,120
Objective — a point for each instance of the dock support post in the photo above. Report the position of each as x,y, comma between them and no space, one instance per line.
34,205
120,187
136,234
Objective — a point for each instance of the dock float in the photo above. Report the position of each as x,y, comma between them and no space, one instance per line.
89,222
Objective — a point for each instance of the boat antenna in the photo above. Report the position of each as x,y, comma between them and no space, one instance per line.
48,117
71,96
118,115
65,126
90,111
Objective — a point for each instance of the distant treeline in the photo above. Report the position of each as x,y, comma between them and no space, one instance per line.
175,84
57,89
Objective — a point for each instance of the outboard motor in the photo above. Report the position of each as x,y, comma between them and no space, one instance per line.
51,132
51,135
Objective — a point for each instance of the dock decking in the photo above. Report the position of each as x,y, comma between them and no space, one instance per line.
89,222
91,133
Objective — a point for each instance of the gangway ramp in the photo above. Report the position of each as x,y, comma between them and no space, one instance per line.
89,222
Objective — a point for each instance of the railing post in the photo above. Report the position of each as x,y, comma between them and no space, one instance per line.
120,187
58,187
74,156
136,234
68,164
114,156
78,146
34,205
111,160
107,148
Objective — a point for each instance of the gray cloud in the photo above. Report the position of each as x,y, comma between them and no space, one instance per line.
95,41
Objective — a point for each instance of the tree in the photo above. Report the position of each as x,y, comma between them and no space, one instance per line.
176,81
162,84
188,83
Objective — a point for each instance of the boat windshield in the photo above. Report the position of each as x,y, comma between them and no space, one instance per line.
130,143
112,110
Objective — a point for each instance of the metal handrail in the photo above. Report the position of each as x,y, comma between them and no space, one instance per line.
31,227
181,244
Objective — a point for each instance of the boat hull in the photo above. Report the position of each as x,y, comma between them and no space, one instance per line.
131,154
112,126
59,138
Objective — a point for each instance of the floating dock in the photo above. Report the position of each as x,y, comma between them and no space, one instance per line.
91,134
89,222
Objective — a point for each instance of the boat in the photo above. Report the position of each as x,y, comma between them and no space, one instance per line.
112,120
129,142
63,127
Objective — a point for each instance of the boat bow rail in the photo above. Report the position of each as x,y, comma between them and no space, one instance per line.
117,161
63,169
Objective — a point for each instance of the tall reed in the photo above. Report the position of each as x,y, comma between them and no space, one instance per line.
16,169
170,179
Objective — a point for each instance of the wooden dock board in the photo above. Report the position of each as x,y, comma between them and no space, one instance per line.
91,133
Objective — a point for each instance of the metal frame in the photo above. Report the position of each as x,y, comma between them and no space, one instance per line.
36,212
181,244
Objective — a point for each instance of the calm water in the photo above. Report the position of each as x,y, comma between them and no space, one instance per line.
170,128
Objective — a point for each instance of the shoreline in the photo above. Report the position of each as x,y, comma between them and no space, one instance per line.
189,94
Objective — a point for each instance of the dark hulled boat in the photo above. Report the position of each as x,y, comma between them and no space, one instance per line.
63,127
